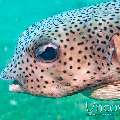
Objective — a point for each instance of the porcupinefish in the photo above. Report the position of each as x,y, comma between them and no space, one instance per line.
68,53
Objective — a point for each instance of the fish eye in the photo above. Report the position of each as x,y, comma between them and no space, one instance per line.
48,53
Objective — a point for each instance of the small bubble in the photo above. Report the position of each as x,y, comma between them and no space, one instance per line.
5,49
13,102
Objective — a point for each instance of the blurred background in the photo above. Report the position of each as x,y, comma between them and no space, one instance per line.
15,17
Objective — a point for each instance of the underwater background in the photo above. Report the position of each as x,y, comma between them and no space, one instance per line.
15,17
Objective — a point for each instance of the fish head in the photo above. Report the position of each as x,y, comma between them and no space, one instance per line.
46,62
56,59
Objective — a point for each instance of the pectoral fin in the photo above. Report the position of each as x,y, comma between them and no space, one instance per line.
108,91
116,42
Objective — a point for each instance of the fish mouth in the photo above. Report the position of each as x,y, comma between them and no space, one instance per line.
16,82
18,87
3,76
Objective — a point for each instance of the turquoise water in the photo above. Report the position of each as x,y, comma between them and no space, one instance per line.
17,15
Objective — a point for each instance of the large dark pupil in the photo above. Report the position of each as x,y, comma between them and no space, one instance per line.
49,54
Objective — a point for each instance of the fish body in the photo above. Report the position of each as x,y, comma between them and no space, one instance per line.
68,52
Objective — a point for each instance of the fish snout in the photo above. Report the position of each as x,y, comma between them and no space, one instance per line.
11,70
6,74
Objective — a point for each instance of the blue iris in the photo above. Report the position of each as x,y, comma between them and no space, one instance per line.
48,55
